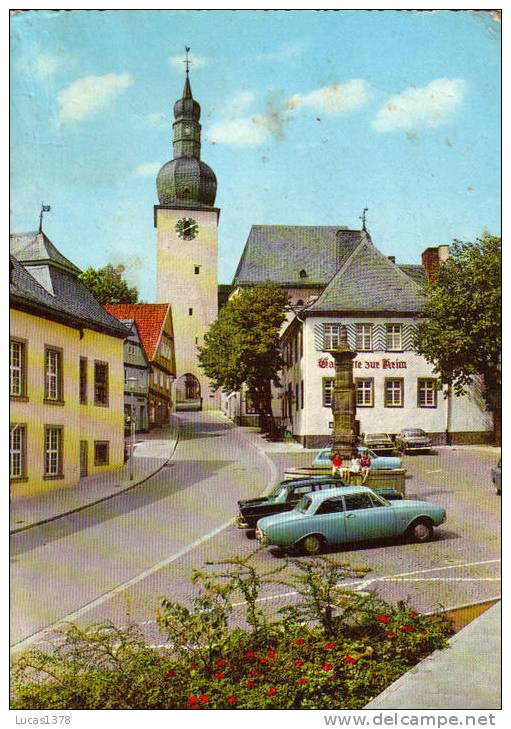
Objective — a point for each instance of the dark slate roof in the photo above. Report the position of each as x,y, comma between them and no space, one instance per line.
279,253
36,248
370,282
71,302
417,272
224,291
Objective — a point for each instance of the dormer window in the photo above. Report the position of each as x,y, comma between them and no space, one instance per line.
303,273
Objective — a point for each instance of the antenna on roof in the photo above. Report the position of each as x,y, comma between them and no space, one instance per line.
363,218
44,209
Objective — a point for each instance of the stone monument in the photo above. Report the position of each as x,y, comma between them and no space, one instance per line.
344,434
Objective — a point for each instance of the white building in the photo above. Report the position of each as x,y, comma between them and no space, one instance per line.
352,284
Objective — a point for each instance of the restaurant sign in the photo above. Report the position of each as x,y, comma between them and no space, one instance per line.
372,364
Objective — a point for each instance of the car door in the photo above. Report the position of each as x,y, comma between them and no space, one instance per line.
366,517
329,520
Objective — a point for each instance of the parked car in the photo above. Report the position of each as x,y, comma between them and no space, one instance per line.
356,513
496,477
413,439
379,442
324,458
288,493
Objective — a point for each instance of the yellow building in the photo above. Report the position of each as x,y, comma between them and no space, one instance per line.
66,373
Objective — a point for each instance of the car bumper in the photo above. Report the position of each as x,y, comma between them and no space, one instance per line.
261,537
241,523
417,446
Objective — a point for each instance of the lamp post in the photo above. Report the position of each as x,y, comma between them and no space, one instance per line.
344,436
132,381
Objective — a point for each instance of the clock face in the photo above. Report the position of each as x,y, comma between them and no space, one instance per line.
188,130
187,228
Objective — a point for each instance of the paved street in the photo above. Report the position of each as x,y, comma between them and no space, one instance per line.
115,559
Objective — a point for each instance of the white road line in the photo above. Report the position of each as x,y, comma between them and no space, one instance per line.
116,590
449,579
438,470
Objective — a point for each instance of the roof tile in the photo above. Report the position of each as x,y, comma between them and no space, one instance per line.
149,319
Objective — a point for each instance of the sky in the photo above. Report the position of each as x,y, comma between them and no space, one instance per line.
308,117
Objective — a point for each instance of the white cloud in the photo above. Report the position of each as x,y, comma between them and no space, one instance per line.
147,169
428,106
195,61
285,52
333,99
89,95
45,64
241,102
243,132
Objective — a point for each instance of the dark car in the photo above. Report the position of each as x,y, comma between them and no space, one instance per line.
496,477
413,439
287,494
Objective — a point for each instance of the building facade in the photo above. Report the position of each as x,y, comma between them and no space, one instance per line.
136,380
186,222
155,328
66,373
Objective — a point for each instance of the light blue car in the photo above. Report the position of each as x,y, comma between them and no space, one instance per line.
329,518
324,458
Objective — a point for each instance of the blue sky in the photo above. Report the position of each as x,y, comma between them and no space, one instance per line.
307,118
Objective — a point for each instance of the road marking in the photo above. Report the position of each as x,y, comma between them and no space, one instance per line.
450,579
116,590
438,470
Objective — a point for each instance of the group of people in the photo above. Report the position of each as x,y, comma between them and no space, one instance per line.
360,463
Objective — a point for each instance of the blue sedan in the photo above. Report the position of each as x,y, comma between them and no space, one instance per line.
324,458
329,518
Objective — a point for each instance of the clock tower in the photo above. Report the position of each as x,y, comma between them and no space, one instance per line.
186,222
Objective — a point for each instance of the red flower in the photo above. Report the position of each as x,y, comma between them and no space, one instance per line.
298,663
219,674
391,634
413,613
220,662
254,672
303,680
271,692
203,699
299,641
194,706
250,654
330,646
232,700
383,619
271,654
327,666
171,674
194,665
406,628
349,660
250,683
192,700
263,660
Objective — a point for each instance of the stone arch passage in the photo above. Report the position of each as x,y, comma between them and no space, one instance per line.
188,393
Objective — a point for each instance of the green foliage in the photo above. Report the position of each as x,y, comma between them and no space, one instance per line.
108,286
284,664
461,332
242,345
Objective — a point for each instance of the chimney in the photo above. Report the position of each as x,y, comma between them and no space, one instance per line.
392,258
432,259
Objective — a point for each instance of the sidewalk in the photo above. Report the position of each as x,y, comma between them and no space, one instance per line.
466,675
152,452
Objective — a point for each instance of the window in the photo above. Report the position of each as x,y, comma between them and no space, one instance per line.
331,335
190,311
394,339
394,393
297,396
330,506
358,501
364,337
100,383
83,380
301,387
17,369
300,343
364,390
328,392
101,454
426,392
53,374
53,452
165,347
17,452
197,270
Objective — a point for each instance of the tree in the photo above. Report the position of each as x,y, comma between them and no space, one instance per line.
461,330
108,286
242,345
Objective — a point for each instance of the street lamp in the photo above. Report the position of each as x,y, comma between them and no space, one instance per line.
132,381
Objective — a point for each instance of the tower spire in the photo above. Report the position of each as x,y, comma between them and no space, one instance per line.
187,91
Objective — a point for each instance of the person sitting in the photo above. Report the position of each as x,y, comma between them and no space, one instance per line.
355,466
365,465
337,464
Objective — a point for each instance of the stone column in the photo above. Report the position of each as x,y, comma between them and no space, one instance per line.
344,437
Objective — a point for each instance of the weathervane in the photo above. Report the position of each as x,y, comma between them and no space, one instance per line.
44,209
187,60
363,218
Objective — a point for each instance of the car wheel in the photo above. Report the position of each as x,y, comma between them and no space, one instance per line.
313,544
421,531
250,533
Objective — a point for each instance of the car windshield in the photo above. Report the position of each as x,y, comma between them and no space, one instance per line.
277,493
377,436
303,505
379,500
414,433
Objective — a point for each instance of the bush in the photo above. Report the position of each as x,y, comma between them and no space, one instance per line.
333,648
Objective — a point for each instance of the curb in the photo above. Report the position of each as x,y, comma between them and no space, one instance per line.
103,498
